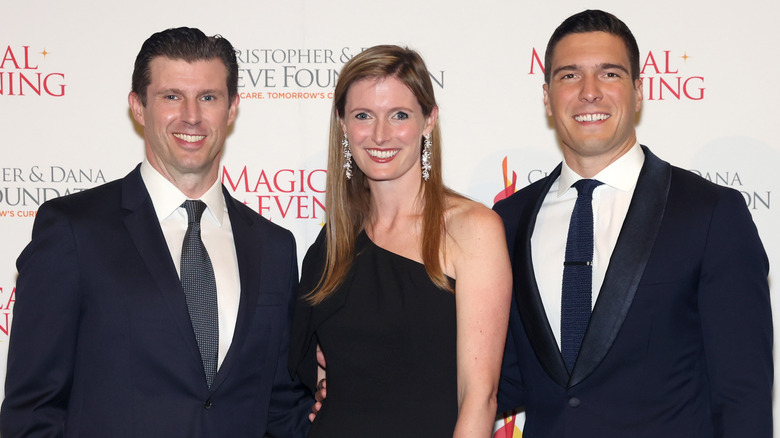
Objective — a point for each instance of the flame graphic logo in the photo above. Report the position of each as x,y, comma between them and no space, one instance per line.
510,186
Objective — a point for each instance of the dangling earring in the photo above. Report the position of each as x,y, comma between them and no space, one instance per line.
347,157
426,157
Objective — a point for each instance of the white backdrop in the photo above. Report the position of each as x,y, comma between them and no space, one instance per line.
709,77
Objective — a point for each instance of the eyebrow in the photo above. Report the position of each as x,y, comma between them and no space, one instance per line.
390,110
602,66
173,90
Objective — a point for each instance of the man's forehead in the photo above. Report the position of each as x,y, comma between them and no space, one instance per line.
590,50
163,68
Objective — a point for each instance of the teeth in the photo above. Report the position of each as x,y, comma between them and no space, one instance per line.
591,117
189,138
382,153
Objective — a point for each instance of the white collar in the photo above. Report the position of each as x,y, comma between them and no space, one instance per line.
621,174
167,198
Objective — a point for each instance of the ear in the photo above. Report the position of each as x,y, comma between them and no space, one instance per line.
343,125
233,110
430,121
639,95
546,92
136,107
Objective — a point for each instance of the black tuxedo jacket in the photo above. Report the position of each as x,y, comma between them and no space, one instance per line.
102,344
679,343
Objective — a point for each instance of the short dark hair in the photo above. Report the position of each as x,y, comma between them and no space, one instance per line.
594,21
189,44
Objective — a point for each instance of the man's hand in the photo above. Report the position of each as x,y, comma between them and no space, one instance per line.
319,396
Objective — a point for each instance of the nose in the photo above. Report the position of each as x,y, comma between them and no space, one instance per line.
381,134
590,91
190,111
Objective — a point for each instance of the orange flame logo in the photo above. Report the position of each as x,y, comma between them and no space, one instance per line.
509,185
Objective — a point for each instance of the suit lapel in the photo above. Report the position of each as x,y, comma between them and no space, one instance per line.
144,229
626,266
529,302
249,257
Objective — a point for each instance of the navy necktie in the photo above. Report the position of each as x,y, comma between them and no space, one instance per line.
577,273
200,289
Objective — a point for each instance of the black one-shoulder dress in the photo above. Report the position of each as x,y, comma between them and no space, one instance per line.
389,339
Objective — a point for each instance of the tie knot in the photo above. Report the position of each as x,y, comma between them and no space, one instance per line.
195,209
585,187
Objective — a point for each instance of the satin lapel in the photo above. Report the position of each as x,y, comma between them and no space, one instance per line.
626,266
529,302
249,255
144,229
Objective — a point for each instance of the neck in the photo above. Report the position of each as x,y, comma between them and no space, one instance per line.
587,166
393,203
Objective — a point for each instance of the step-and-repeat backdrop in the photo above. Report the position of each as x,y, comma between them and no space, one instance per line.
709,76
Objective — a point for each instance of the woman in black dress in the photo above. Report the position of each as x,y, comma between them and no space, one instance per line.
407,288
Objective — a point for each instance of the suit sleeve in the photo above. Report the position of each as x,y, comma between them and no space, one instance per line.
737,323
510,386
44,331
291,401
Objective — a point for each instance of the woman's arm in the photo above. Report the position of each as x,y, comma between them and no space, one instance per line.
477,247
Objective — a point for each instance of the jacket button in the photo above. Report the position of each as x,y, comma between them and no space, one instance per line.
574,402
208,404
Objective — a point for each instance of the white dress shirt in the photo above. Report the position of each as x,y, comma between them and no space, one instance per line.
217,236
548,242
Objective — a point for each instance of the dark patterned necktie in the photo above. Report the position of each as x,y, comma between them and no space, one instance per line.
200,289
577,273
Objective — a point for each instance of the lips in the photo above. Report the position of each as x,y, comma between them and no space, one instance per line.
595,117
189,138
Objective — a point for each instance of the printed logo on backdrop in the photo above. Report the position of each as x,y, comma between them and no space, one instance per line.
23,190
296,74
279,194
28,71
513,183
665,74
756,199
7,299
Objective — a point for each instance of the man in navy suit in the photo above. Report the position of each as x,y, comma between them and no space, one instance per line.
679,341
102,343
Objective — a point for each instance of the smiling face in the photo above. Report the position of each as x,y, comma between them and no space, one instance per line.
385,125
186,119
592,99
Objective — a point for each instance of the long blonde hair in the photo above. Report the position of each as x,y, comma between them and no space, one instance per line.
348,201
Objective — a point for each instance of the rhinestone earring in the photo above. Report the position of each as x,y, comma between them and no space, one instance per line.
347,157
426,157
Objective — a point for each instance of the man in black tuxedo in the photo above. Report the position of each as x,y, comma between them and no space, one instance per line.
105,341
679,341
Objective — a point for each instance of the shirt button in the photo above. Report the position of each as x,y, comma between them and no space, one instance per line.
574,402
208,404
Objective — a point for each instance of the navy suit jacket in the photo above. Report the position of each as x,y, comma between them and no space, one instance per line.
102,344
679,343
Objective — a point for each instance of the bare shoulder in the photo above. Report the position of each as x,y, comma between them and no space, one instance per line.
468,219
475,236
